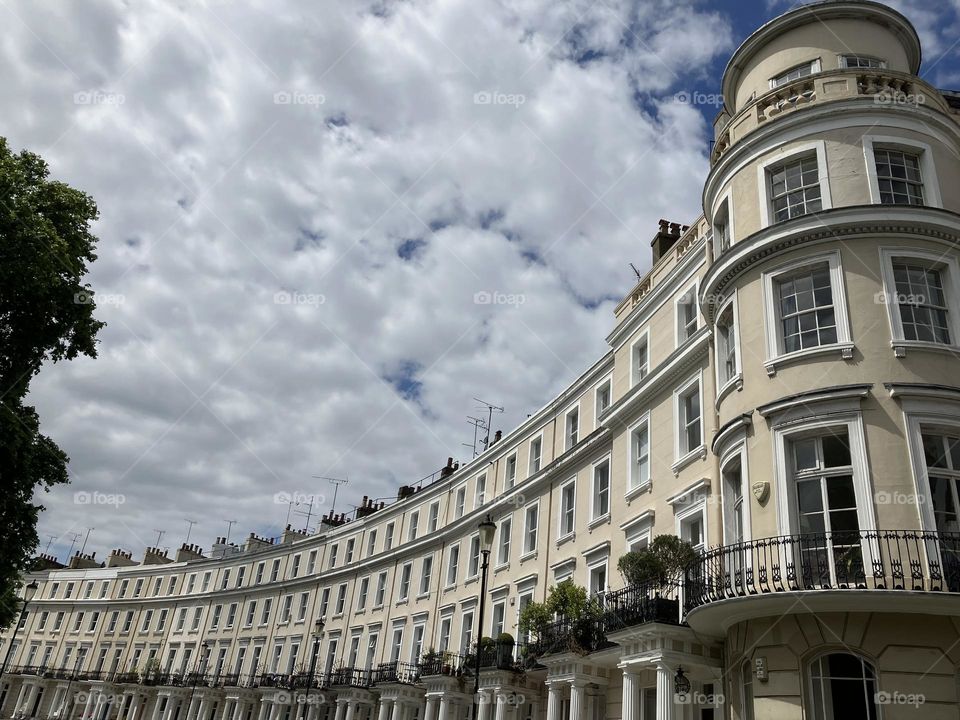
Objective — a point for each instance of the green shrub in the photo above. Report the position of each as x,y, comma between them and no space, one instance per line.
662,562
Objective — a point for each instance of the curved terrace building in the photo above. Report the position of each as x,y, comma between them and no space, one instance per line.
779,391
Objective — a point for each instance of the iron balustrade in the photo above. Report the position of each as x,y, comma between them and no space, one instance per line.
865,560
397,672
442,663
639,604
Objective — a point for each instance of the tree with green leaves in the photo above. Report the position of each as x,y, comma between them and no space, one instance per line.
46,314
662,562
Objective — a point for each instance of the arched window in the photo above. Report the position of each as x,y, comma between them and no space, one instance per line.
843,686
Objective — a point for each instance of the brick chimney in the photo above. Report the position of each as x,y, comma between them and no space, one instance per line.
120,558
155,556
43,561
255,542
290,534
190,552
666,237
84,562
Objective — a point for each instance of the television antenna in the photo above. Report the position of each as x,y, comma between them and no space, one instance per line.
190,524
336,482
491,408
478,424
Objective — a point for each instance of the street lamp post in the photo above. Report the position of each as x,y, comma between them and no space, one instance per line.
28,593
487,528
317,635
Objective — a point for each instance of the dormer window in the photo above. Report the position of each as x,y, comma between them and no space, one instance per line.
861,61
795,73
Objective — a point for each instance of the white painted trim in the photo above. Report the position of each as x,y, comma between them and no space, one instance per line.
630,487
842,61
681,456
928,171
814,64
724,199
693,287
533,439
951,288
819,148
566,414
737,452
608,459
561,535
786,498
771,315
607,381
725,386
524,551
642,337
699,507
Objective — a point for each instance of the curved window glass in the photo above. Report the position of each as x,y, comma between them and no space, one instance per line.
844,687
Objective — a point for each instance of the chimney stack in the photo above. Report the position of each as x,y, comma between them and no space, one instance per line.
119,558
84,562
666,238
155,556
189,552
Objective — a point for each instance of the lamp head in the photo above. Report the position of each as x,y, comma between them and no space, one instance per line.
487,529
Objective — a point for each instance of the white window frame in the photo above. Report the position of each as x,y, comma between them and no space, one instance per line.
783,435
736,453
698,507
936,416
604,385
573,409
536,439
433,517
951,288
814,64
480,490
844,345
506,520
460,501
594,517
736,380
684,456
843,61
508,481
413,526
928,171
642,339
453,566
632,489
693,288
563,534
593,567
426,574
792,154
527,552
724,208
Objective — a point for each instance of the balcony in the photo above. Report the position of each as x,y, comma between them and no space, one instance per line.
882,87
396,672
443,663
641,604
873,571
349,677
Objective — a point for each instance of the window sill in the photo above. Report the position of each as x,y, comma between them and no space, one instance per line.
900,347
639,490
470,580
566,538
360,611
735,382
501,567
529,555
398,603
423,595
698,453
448,588
845,349
597,522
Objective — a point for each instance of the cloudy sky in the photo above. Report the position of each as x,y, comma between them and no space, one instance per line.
305,205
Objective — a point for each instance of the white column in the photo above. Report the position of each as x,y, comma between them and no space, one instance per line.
134,707
238,709
630,696
32,698
351,709
171,706
264,709
444,712
485,704
501,709
275,709
201,708
157,704
384,709
553,702
430,711
397,710
578,694
341,709
664,692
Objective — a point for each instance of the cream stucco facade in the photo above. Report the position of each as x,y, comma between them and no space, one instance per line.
778,391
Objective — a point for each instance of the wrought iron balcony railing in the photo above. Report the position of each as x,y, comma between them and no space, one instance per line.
442,663
396,672
864,560
640,604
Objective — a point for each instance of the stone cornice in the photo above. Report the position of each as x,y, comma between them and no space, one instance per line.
828,226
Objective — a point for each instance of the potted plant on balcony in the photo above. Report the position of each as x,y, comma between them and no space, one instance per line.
658,568
505,645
